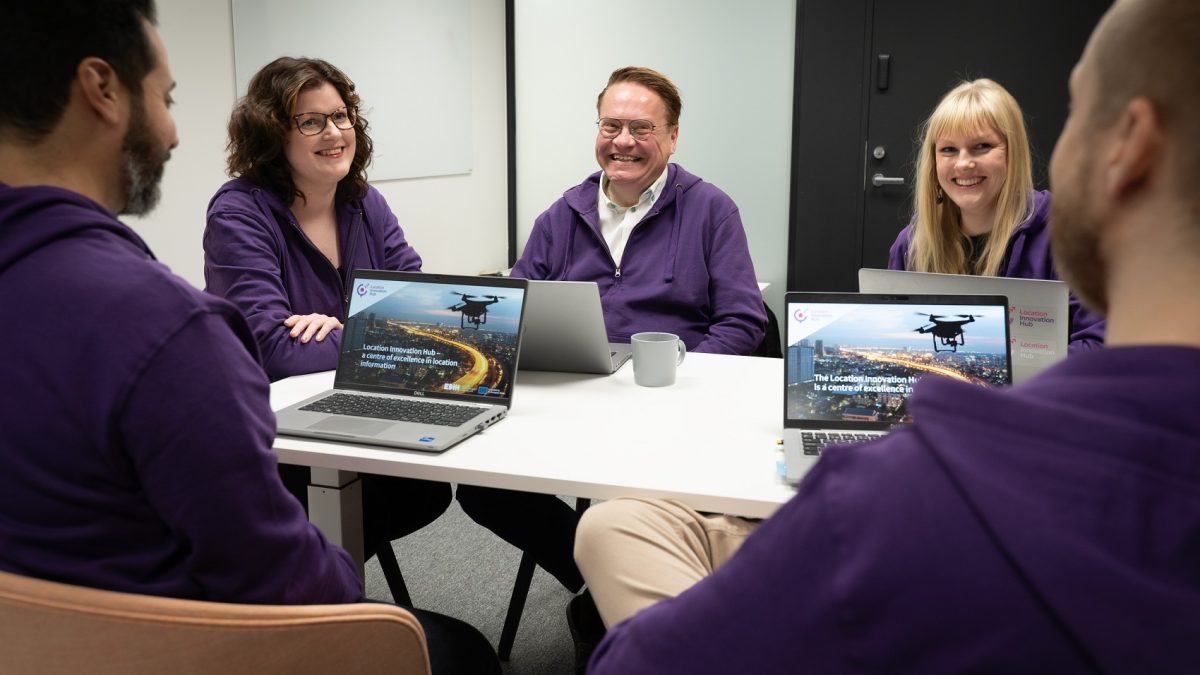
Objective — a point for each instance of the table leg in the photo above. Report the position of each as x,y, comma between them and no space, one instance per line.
335,507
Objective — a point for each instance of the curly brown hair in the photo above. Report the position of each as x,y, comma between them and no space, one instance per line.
262,119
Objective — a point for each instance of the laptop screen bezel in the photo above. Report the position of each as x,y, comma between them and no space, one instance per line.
361,275
999,301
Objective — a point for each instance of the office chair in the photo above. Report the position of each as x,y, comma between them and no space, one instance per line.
516,604
391,574
51,628
296,479
771,346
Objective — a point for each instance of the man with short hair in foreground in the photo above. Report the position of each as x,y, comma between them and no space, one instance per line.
135,438
1050,527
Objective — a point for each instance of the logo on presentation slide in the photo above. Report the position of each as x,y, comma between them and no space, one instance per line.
362,290
800,315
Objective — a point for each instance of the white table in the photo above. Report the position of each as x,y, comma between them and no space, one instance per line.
710,441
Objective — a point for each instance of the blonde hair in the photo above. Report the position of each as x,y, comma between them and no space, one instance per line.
936,244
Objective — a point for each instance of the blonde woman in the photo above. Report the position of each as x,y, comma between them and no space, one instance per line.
976,209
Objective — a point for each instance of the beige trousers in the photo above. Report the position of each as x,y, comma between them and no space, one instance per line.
635,552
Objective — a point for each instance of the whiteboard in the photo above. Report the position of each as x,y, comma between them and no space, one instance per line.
409,61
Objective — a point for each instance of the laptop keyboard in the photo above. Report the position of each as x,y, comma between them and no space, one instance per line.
815,441
396,409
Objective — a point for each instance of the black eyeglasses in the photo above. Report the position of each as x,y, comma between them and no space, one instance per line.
313,123
610,127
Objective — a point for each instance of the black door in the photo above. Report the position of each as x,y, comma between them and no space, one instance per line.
909,53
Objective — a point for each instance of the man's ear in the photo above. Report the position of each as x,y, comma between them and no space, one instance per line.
1138,148
100,88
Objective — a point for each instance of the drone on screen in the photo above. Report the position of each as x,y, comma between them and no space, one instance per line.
948,331
473,309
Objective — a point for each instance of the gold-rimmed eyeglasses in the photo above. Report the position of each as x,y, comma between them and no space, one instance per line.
610,127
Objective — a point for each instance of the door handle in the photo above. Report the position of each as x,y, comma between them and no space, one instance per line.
879,180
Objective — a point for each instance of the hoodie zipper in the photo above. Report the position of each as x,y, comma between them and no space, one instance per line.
295,224
595,233
355,228
648,216
342,290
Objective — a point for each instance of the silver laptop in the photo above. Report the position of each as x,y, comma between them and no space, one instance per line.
564,330
1038,314
851,361
426,361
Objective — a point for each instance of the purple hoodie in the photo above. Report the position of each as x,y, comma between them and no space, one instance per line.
135,437
256,256
1049,527
686,269
1028,257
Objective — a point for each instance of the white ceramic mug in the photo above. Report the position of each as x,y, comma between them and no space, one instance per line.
655,357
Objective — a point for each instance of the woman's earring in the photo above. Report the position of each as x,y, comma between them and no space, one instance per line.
937,191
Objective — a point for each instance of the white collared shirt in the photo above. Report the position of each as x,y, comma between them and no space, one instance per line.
617,222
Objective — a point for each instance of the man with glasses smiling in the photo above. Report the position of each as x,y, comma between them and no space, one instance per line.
669,254
667,249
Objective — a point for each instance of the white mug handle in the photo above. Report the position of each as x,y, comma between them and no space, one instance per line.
682,352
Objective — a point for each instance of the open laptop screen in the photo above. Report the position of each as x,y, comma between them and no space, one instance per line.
1037,309
852,359
435,335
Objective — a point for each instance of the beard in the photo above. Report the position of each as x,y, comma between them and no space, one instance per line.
1074,241
142,163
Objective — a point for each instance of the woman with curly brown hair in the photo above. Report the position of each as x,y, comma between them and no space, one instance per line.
284,236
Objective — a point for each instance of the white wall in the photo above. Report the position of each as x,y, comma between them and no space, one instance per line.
733,64
731,61
433,100
457,223
199,39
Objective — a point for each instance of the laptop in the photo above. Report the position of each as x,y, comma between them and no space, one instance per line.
427,360
564,330
851,361
1037,309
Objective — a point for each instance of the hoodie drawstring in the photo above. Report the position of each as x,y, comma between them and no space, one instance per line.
358,217
1015,249
673,244
570,252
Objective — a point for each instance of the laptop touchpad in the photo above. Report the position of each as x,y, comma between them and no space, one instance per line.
349,425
